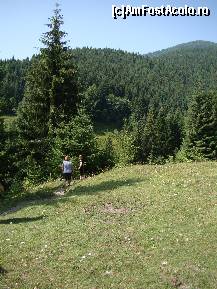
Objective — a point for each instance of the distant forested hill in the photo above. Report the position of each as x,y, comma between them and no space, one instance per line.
198,44
114,83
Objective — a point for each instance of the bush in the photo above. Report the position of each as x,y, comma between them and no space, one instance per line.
105,155
189,155
125,150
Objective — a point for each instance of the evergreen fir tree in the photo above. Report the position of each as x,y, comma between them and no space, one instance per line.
51,92
162,135
149,136
51,95
33,112
62,75
175,130
201,128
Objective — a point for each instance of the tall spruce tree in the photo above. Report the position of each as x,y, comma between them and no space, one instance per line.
51,93
63,84
201,128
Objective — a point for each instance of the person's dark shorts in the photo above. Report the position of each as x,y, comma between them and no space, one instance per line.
81,170
67,176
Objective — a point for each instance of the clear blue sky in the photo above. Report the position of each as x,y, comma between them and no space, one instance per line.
90,23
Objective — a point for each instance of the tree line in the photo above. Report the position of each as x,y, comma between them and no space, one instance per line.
164,106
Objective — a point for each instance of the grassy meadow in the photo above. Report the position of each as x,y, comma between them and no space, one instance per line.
145,227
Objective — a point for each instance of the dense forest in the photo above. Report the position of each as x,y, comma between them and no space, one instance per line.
114,83
163,104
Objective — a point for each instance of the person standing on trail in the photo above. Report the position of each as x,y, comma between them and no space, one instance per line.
81,167
67,170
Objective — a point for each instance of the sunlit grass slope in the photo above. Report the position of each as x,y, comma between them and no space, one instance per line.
137,227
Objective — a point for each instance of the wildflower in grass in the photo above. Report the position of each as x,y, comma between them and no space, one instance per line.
108,272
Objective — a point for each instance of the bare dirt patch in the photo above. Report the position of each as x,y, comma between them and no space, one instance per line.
109,208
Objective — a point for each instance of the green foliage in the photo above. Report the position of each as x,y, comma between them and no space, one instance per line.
169,77
12,81
74,138
61,73
2,152
152,92
90,99
104,106
156,136
51,89
50,102
9,150
149,137
33,112
201,133
125,152
186,155
105,155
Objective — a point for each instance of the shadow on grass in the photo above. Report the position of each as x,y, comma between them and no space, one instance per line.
3,271
14,202
94,189
46,196
41,193
21,220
